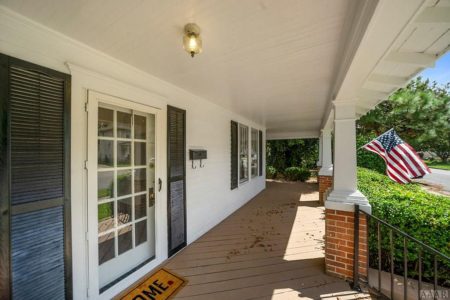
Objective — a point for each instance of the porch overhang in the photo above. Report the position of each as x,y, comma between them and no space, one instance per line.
284,77
400,41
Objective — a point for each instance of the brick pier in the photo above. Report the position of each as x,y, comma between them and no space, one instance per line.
339,244
325,182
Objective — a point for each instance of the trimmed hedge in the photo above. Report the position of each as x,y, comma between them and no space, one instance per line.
296,174
271,172
420,214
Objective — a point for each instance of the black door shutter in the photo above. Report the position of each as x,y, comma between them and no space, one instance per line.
35,162
234,155
260,140
176,178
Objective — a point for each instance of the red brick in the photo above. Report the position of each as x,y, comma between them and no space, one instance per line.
344,213
344,260
336,217
345,249
330,222
336,252
336,264
340,244
331,257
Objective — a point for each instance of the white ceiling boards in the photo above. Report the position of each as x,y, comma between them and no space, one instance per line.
277,62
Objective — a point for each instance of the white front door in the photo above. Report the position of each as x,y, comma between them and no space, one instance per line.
122,187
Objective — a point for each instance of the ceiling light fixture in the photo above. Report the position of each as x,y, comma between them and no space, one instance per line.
191,41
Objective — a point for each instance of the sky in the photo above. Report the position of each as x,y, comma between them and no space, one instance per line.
441,71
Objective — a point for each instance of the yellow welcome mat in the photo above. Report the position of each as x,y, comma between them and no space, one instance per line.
161,285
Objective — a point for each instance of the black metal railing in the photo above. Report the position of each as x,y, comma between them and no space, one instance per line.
422,248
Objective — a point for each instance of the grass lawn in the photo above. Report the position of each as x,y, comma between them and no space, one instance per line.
438,165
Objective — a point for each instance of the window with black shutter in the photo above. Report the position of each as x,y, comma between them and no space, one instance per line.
34,183
234,155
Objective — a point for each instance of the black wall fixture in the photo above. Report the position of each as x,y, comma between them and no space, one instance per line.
197,154
35,240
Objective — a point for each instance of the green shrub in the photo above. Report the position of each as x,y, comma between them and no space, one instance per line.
420,214
271,172
296,174
367,159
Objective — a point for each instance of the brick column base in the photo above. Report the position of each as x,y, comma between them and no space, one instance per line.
339,245
325,182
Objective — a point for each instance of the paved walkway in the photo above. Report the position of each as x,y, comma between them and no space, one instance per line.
272,248
440,177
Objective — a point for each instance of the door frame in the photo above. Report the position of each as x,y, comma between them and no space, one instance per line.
169,215
93,100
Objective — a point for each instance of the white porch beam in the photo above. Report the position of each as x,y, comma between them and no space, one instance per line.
435,15
372,94
390,80
360,111
345,193
288,135
410,58
365,105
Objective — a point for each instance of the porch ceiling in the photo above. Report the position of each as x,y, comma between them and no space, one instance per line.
271,61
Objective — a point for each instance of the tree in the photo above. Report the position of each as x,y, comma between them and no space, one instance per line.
420,113
283,154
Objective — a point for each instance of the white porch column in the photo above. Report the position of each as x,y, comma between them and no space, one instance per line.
345,192
319,161
327,163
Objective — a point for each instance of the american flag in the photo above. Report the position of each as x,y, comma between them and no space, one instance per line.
402,161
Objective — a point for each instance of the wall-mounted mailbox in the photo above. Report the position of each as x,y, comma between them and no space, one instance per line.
197,154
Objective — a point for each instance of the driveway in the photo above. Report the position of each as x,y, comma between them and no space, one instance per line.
439,177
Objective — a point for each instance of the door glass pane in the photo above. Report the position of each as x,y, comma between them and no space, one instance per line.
105,122
123,182
105,216
140,127
105,154
123,125
123,154
126,216
106,247
140,154
123,211
141,232
140,180
125,239
140,206
105,181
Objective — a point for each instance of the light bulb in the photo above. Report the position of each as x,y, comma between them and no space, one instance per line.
191,41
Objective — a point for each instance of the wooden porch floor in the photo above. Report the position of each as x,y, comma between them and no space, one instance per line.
272,248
